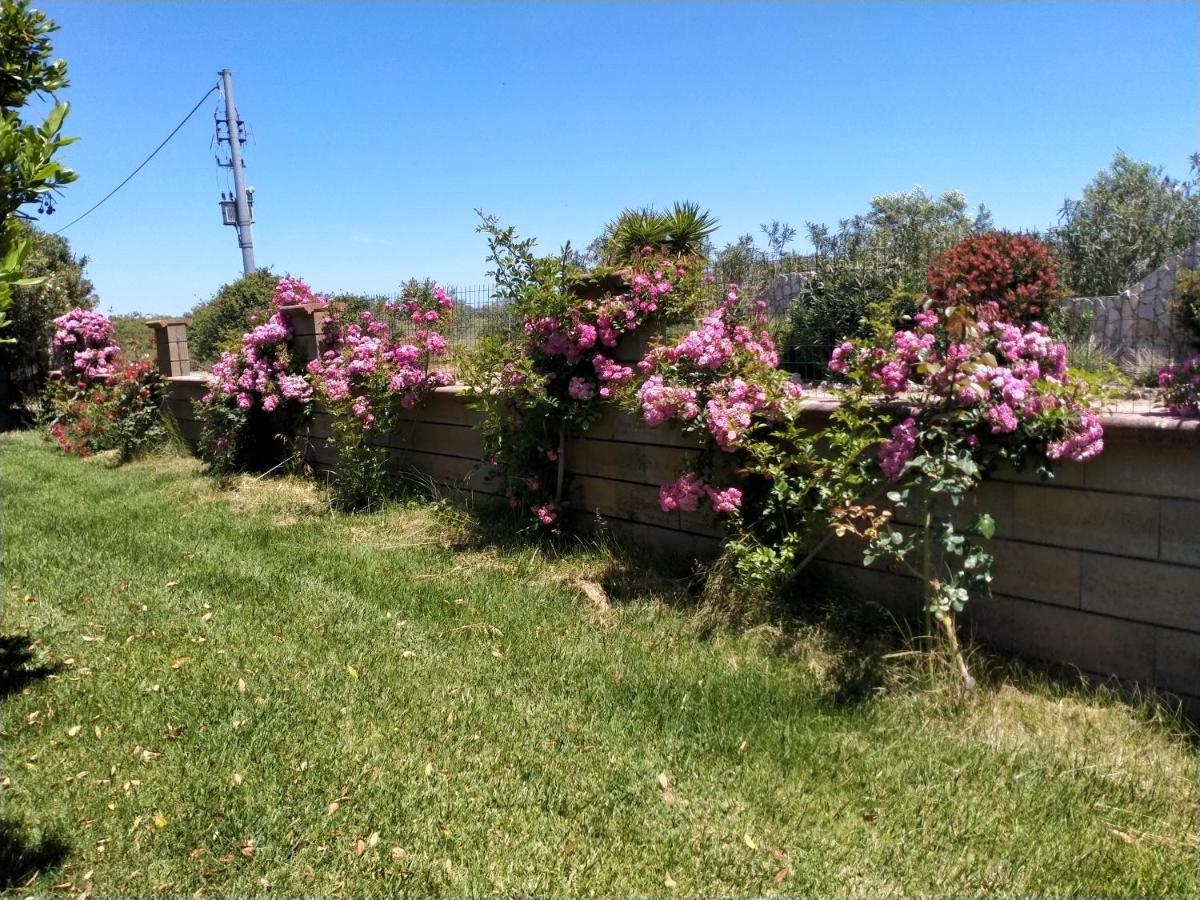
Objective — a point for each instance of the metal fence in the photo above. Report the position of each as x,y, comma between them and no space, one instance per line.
807,329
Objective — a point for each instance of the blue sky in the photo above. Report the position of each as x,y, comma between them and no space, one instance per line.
379,128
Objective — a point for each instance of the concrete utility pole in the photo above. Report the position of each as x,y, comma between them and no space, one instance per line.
242,219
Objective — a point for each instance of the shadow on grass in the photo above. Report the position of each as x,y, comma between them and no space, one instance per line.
859,649
24,853
17,668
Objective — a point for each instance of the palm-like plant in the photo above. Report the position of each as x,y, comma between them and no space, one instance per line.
634,229
690,228
683,231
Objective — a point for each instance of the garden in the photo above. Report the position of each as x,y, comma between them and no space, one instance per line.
631,580
389,680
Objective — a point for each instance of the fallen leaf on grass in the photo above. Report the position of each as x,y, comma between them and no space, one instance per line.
749,842
160,821
247,849
781,876
171,583
174,731
669,881
241,686
351,671
74,730
398,852
178,662
360,847
1123,836
496,653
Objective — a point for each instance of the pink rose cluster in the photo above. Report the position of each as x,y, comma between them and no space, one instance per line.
723,374
364,367
688,491
259,371
1009,377
1179,384
84,346
593,324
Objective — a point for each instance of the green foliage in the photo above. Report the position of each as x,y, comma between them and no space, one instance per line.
28,171
133,334
866,260
218,324
1187,302
121,413
55,284
835,303
901,231
1131,217
683,230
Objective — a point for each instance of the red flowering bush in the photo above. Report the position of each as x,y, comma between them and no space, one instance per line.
995,276
121,412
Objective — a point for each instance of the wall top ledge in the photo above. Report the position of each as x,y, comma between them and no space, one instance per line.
1131,420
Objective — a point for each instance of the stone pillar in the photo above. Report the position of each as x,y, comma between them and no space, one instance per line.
307,323
171,346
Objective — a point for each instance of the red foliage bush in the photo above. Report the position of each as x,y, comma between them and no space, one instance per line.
997,275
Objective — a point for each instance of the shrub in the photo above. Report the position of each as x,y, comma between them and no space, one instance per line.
541,383
365,377
1179,384
1130,218
994,275
60,286
121,411
83,346
1187,302
256,393
219,323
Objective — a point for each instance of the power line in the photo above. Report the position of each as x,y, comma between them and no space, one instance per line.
211,90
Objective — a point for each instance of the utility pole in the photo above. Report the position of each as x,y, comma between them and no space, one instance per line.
242,204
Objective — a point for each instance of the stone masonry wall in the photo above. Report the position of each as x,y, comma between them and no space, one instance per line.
1141,320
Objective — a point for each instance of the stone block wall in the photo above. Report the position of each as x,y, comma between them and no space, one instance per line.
1141,320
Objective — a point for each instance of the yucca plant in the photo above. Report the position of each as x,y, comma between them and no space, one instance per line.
690,228
683,231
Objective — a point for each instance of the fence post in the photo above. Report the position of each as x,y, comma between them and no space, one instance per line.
307,324
171,346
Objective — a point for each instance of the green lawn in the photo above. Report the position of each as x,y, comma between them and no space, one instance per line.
237,693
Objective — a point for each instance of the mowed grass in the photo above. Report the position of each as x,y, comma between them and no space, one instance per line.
237,693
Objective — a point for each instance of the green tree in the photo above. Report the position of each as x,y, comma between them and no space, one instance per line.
217,324
904,230
29,173
872,262
53,283
1130,218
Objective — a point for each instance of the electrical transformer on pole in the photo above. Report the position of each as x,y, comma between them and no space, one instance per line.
237,210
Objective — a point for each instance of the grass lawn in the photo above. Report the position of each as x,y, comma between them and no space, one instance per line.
234,692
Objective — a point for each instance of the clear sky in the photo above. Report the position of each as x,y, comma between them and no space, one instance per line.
379,128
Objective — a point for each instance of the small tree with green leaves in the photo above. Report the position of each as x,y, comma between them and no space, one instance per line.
1130,218
218,324
29,174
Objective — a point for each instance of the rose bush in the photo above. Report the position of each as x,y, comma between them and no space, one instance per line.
366,375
